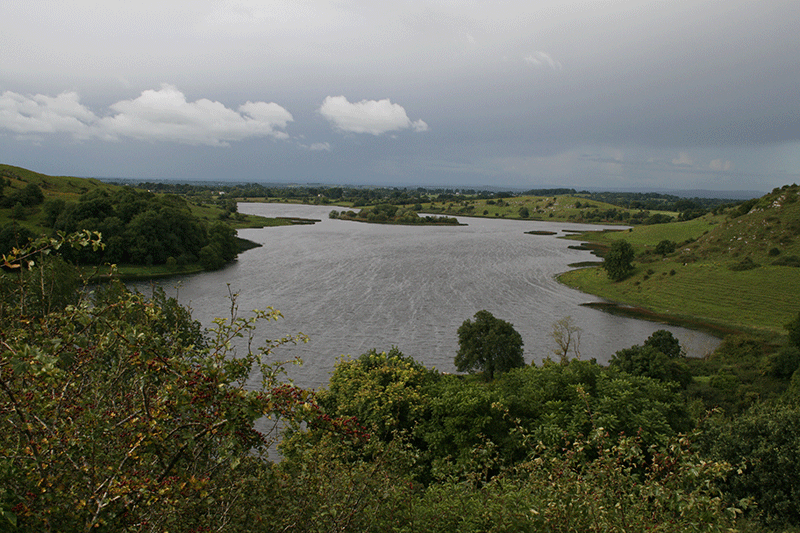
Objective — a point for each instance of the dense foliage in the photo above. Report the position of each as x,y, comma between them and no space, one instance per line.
27,197
120,413
142,228
660,357
489,345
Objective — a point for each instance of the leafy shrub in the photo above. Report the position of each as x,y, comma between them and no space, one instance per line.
785,362
744,208
665,247
788,260
745,264
761,445
120,414
793,329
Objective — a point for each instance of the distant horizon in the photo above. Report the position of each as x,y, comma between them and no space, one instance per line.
684,193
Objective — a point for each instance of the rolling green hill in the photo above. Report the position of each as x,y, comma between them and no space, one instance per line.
739,269
52,186
146,234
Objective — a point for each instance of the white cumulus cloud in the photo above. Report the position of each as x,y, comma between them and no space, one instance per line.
156,115
39,114
368,116
166,115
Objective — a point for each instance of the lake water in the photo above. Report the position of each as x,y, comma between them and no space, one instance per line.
352,286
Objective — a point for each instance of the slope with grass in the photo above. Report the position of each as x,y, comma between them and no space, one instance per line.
146,234
737,270
66,187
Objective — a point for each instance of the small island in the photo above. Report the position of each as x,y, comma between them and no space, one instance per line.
393,214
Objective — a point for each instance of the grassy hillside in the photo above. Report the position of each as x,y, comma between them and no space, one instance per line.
71,188
65,187
35,204
739,269
52,186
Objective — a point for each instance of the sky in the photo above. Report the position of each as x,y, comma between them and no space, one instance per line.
613,94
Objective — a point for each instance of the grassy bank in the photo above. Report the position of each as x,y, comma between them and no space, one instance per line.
725,271
701,292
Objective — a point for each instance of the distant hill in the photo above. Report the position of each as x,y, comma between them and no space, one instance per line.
688,193
52,186
702,193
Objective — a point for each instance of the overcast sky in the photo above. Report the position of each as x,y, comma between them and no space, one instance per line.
679,94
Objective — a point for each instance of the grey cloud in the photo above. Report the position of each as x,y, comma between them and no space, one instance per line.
719,165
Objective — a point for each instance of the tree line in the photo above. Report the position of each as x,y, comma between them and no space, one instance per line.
687,208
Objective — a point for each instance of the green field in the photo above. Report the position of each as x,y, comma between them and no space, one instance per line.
723,271
762,299
549,208
649,236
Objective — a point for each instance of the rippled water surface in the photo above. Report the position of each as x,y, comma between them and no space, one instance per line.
352,286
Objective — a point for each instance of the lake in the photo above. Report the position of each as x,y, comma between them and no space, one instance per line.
353,286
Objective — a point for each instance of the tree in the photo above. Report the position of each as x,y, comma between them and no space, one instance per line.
52,209
568,337
211,256
14,236
665,247
617,262
31,195
665,342
18,212
661,357
488,344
